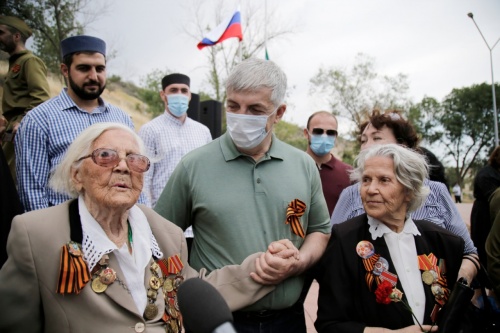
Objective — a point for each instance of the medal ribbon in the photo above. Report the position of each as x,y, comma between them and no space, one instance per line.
369,263
73,273
390,277
431,262
171,265
296,208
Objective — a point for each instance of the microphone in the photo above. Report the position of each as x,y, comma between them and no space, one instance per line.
203,309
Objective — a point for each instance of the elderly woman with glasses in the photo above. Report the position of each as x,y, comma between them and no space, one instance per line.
101,262
385,271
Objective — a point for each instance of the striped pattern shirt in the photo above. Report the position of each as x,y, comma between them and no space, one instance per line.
167,140
438,208
42,139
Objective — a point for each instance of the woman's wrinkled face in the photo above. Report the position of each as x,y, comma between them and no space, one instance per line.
372,136
383,196
110,186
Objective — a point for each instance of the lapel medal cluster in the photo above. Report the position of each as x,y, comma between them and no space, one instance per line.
433,275
377,271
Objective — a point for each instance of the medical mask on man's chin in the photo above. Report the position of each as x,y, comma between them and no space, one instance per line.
177,104
322,144
247,131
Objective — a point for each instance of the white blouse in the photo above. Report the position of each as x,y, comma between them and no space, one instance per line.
404,257
96,244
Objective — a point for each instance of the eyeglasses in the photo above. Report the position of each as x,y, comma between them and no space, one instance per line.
109,158
320,131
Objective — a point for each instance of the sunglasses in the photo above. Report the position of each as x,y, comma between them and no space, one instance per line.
320,131
109,158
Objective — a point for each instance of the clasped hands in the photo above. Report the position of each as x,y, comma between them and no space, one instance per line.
280,261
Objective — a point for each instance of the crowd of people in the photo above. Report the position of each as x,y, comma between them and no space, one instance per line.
109,222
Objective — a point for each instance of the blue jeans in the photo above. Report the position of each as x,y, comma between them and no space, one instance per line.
290,320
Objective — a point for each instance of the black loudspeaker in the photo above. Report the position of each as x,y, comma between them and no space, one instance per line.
210,115
193,111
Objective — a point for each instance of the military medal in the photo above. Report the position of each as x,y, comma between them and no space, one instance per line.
429,277
154,283
107,276
151,311
382,265
437,291
174,326
168,285
74,249
98,286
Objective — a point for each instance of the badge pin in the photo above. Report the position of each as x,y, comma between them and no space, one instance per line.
74,249
107,276
382,265
365,249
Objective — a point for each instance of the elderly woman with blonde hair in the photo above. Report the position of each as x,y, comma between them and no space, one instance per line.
411,266
101,262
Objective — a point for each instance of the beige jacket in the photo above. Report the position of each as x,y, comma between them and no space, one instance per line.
28,280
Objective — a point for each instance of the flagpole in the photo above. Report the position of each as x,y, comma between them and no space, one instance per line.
265,29
239,50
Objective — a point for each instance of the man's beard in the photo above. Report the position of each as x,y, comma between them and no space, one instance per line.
8,47
86,95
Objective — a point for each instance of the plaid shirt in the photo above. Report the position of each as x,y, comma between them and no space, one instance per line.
42,139
167,140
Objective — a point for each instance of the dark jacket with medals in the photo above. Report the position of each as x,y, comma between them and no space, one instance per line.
347,304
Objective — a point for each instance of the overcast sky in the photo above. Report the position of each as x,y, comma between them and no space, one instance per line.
434,42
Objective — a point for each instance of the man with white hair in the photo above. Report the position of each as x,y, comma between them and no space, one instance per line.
248,187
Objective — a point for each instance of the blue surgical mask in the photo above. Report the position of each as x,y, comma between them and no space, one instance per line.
178,104
247,131
322,144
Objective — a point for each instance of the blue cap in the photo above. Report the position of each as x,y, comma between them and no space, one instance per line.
82,44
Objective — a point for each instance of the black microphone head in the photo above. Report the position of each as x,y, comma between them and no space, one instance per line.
202,307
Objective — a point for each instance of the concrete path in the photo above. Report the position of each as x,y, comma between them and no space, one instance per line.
311,305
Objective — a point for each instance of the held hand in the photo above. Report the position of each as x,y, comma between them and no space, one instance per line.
283,248
279,262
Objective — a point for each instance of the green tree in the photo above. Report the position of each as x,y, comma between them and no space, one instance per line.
150,89
354,94
291,134
462,125
425,116
52,21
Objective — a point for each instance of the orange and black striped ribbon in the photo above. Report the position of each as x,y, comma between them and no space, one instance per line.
73,273
369,263
296,208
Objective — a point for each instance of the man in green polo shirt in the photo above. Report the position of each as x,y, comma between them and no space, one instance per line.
246,189
25,85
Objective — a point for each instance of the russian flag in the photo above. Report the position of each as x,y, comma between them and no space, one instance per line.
231,27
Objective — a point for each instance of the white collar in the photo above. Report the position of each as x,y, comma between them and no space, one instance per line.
379,229
96,243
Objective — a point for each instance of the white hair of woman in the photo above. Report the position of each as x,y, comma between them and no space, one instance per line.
60,180
410,168
253,74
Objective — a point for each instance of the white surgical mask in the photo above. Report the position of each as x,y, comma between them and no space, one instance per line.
247,131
